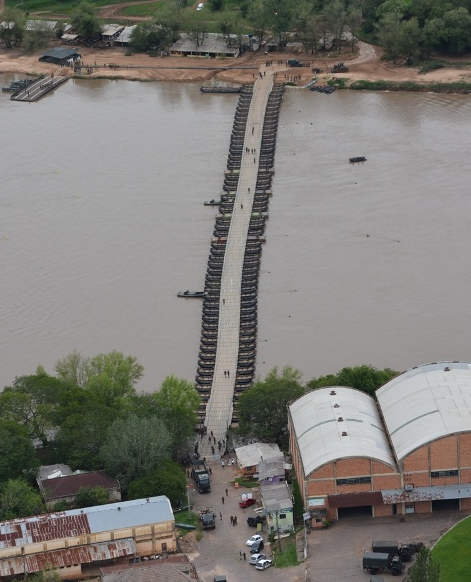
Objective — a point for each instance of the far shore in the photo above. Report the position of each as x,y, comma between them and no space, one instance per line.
364,64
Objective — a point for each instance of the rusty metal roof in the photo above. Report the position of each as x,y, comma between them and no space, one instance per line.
77,522
67,557
337,423
426,403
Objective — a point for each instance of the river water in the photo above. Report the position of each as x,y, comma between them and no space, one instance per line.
102,222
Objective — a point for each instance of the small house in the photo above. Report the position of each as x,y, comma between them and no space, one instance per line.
278,504
249,457
60,484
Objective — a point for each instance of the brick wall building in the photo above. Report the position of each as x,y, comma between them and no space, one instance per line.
407,452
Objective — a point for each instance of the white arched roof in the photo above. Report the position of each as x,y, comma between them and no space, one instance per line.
319,433
426,403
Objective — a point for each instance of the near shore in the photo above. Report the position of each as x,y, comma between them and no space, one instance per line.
364,64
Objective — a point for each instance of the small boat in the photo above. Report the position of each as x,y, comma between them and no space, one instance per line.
198,294
311,83
357,159
212,202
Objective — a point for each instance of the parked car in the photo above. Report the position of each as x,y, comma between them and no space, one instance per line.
256,547
247,502
200,6
256,558
253,539
263,564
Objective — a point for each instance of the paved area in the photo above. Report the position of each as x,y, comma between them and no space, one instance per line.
219,548
219,408
334,554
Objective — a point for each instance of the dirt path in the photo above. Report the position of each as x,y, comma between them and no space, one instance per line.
364,64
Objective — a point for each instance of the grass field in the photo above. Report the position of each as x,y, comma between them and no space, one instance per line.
453,553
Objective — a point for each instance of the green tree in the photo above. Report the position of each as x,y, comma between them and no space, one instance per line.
111,376
263,408
215,5
49,575
365,378
169,480
308,26
38,35
336,19
31,401
424,569
91,496
177,403
85,22
451,32
402,39
134,446
83,422
280,18
259,17
18,456
12,34
18,499
149,36
171,19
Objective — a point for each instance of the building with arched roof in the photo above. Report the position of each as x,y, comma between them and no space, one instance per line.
409,451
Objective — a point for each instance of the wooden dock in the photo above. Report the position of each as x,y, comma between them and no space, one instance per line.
39,88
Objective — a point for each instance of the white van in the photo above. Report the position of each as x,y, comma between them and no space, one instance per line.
200,6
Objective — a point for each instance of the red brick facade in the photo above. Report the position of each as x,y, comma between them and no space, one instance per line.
419,468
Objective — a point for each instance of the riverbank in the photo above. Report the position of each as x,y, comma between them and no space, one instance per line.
365,64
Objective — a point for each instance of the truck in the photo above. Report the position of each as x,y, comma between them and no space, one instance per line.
207,519
404,551
375,561
294,63
200,474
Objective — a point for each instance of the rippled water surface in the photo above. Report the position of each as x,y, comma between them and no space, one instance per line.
102,222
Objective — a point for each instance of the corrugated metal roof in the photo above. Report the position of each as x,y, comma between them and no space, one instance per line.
271,468
125,34
46,471
67,557
212,43
276,496
426,403
336,423
77,522
251,455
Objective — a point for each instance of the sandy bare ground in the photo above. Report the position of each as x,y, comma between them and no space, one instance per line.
364,63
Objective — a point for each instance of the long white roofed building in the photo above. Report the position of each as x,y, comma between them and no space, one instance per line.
407,452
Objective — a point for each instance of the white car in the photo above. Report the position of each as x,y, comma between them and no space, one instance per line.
263,564
253,539
200,6
256,558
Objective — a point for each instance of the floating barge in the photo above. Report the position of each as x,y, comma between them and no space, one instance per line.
219,89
